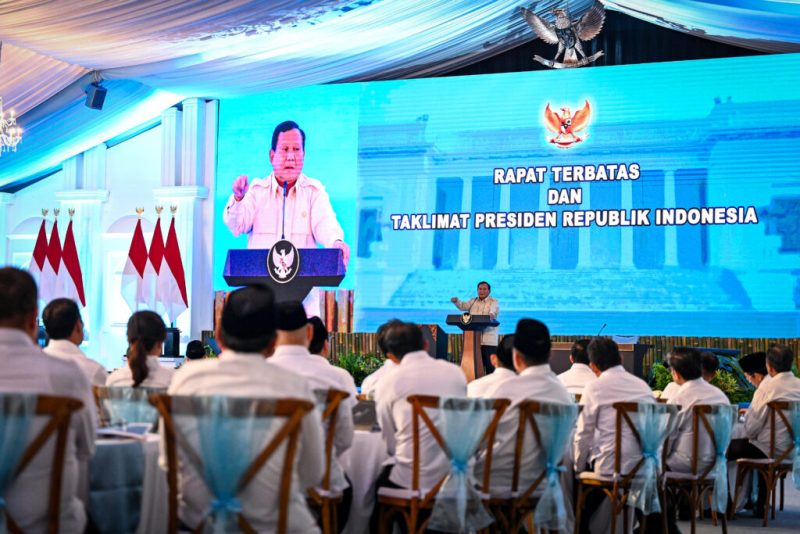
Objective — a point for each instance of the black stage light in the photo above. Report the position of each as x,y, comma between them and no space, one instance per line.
95,96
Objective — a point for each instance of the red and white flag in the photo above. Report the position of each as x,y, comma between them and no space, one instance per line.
70,275
171,279
50,287
155,261
39,257
136,289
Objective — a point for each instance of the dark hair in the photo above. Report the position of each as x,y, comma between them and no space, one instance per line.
248,321
145,329
687,362
382,329
195,350
60,317
488,285
604,353
18,296
505,352
403,338
709,362
286,126
578,351
532,341
319,337
781,358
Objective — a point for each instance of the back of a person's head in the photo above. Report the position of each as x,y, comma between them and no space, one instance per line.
195,350
60,317
146,329
18,296
578,351
319,335
381,334
781,358
686,361
403,338
532,341
248,320
604,353
505,352
709,362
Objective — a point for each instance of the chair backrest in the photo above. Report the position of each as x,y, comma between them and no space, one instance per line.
700,419
292,410
333,399
58,410
419,405
777,410
623,422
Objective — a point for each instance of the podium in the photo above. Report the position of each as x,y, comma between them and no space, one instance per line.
632,357
471,359
318,267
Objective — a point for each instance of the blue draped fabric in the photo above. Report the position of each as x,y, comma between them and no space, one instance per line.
16,413
216,427
721,420
794,419
130,405
654,422
555,422
116,476
462,423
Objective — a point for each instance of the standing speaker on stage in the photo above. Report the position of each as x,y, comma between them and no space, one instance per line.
483,304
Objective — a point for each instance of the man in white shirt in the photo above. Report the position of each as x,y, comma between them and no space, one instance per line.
595,441
417,374
26,369
64,326
576,378
370,386
483,304
536,381
782,386
503,362
292,353
754,366
246,333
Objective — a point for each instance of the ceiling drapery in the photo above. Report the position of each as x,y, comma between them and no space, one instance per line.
219,48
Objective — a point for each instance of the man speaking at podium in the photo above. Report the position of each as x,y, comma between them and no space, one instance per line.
483,304
285,203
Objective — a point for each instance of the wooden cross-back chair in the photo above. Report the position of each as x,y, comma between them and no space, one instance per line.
773,468
321,497
616,487
696,483
101,394
411,502
510,511
293,410
59,410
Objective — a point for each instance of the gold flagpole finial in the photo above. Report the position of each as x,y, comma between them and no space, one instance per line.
159,209
71,212
173,209
139,212
56,211
45,211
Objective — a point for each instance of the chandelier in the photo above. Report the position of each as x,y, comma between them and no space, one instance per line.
10,133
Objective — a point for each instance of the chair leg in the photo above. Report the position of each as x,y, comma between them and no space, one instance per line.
766,497
694,499
724,520
783,478
737,487
614,512
326,517
662,495
579,508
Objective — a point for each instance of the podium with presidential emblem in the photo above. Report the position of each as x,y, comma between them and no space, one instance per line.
473,327
290,272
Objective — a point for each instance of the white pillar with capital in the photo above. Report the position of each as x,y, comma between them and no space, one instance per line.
6,199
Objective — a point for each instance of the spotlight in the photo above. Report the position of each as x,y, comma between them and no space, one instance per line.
95,96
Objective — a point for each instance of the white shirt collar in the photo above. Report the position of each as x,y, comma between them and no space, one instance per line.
65,345
415,356
290,351
536,370
16,336
616,370
500,371
582,367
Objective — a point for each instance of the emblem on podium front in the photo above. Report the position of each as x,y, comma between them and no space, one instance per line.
466,318
283,262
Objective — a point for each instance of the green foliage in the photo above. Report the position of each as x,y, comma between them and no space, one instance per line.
660,376
209,351
725,380
359,365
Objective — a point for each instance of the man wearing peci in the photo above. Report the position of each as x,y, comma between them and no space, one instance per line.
256,208
483,304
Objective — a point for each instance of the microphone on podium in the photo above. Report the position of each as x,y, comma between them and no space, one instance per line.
601,330
283,217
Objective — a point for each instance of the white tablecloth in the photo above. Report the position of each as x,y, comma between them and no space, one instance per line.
362,463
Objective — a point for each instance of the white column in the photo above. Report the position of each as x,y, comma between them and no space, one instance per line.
94,168
6,199
170,147
463,236
670,232
73,172
504,235
626,232
192,141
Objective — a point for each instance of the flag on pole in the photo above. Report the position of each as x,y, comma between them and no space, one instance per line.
155,262
71,268
133,283
49,287
171,279
39,255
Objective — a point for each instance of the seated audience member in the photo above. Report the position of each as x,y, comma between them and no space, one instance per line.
369,387
710,364
64,326
595,437
579,374
195,350
299,344
782,386
754,366
246,334
146,335
536,381
687,370
26,369
417,373
503,363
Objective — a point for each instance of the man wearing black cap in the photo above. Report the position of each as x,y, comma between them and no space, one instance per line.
246,334
535,381
754,366
295,333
